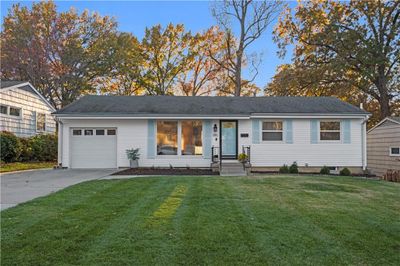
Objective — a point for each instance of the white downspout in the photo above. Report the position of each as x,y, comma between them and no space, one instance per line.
364,142
60,142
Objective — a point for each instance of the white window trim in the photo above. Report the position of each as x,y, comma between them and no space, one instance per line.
274,131
94,131
330,141
179,141
8,112
72,132
45,122
393,154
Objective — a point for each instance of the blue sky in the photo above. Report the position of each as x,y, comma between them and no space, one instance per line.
135,16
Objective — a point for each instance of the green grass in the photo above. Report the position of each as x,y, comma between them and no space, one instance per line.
208,220
11,167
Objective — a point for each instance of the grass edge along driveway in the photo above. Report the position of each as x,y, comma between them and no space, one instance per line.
208,220
21,166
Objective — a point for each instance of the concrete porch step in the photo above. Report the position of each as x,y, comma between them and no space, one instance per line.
232,169
233,174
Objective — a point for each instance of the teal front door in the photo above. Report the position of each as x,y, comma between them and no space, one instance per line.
228,139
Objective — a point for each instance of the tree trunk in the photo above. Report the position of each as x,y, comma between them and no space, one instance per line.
384,106
238,80
384,99
238,73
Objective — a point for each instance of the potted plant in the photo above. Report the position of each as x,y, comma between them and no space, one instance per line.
133,156
243,158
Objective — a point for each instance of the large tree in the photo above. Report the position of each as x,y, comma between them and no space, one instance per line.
342,48
166,56
251,18
201,72
59,53
124,76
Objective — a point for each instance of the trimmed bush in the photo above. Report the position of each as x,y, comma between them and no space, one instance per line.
44,147
294,169
10,147
345,171
325,171
284,169
26,150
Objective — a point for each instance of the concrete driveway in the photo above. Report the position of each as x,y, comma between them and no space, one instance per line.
24,186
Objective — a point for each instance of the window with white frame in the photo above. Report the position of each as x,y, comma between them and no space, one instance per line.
100,132
394,151
272,130
4,109
191,142
40,122
77,132
11,111
89,132
329,130
179,137
111,132
167,138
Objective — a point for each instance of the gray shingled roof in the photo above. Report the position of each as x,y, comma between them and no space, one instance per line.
92,105
395,118
10,83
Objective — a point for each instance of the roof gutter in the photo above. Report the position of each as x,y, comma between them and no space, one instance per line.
185,116
149,117
313,115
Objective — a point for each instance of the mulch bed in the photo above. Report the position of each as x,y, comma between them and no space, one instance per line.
165,171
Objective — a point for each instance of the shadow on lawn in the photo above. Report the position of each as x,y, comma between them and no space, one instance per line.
329,187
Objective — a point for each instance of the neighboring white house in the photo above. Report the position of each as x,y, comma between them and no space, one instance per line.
24,111
179,131
383,146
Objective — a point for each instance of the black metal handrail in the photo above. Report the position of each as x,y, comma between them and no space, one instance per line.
246,150
215,154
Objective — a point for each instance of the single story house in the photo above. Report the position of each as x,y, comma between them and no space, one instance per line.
24,111
179,131
383,146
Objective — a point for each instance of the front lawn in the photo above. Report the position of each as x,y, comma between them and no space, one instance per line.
208,220
19,166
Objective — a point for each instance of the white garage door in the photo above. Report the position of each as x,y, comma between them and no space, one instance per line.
93,148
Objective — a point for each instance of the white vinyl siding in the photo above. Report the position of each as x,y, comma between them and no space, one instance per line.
130,134
133,134
271,154
29,103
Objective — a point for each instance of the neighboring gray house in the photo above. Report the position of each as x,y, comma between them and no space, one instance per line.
196,132
383,146
24,111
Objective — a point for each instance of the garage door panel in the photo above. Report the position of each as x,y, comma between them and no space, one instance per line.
93,151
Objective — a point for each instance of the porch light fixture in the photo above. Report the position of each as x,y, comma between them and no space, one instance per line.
215,128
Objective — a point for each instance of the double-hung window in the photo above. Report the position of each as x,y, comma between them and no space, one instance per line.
329,130
272,131
40,122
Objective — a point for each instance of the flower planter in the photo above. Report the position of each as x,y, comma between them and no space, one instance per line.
134,163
